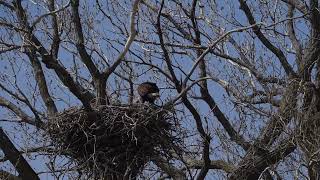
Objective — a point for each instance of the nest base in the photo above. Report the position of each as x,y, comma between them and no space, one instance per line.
114,141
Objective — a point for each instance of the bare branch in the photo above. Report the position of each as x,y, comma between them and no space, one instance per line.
283,60
9,6
169,169
85,57
24,169
298,4
185,90
292,35
133,33
21,97
211,46
7,175
16,110
42,83
99,81
48,14
55,39
52,63
173,77
262,158
177,25
214,164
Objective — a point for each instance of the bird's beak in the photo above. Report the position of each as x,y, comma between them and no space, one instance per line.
156,95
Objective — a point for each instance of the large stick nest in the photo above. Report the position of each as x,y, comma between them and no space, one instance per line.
115,141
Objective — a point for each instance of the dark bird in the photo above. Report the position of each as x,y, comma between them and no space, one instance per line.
148,92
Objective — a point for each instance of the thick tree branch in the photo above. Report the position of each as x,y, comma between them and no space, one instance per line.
214,164
24,169
55,37
204,87
18,112
298,5
257,160
234,135
51,62
85,57
280,55
99,81
42,83
172,171
312,51
292,35
315,15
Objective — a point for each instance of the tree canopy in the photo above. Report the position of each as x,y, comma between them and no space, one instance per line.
240,80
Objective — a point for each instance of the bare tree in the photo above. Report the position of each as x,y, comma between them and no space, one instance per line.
243,78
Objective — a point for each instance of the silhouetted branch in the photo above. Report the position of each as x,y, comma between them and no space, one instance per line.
24,169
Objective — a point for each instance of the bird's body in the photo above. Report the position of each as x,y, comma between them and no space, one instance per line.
148,92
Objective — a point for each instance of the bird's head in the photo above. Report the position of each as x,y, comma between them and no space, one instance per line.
148,91
154,95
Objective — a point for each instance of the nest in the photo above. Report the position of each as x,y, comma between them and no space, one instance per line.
114,141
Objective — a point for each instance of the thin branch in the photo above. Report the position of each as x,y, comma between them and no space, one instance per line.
9,6
7,175
167,59
176,24
4,50
133,33
185,90
211,46
48,14
21,97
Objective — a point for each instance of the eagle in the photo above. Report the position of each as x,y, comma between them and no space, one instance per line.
148,92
